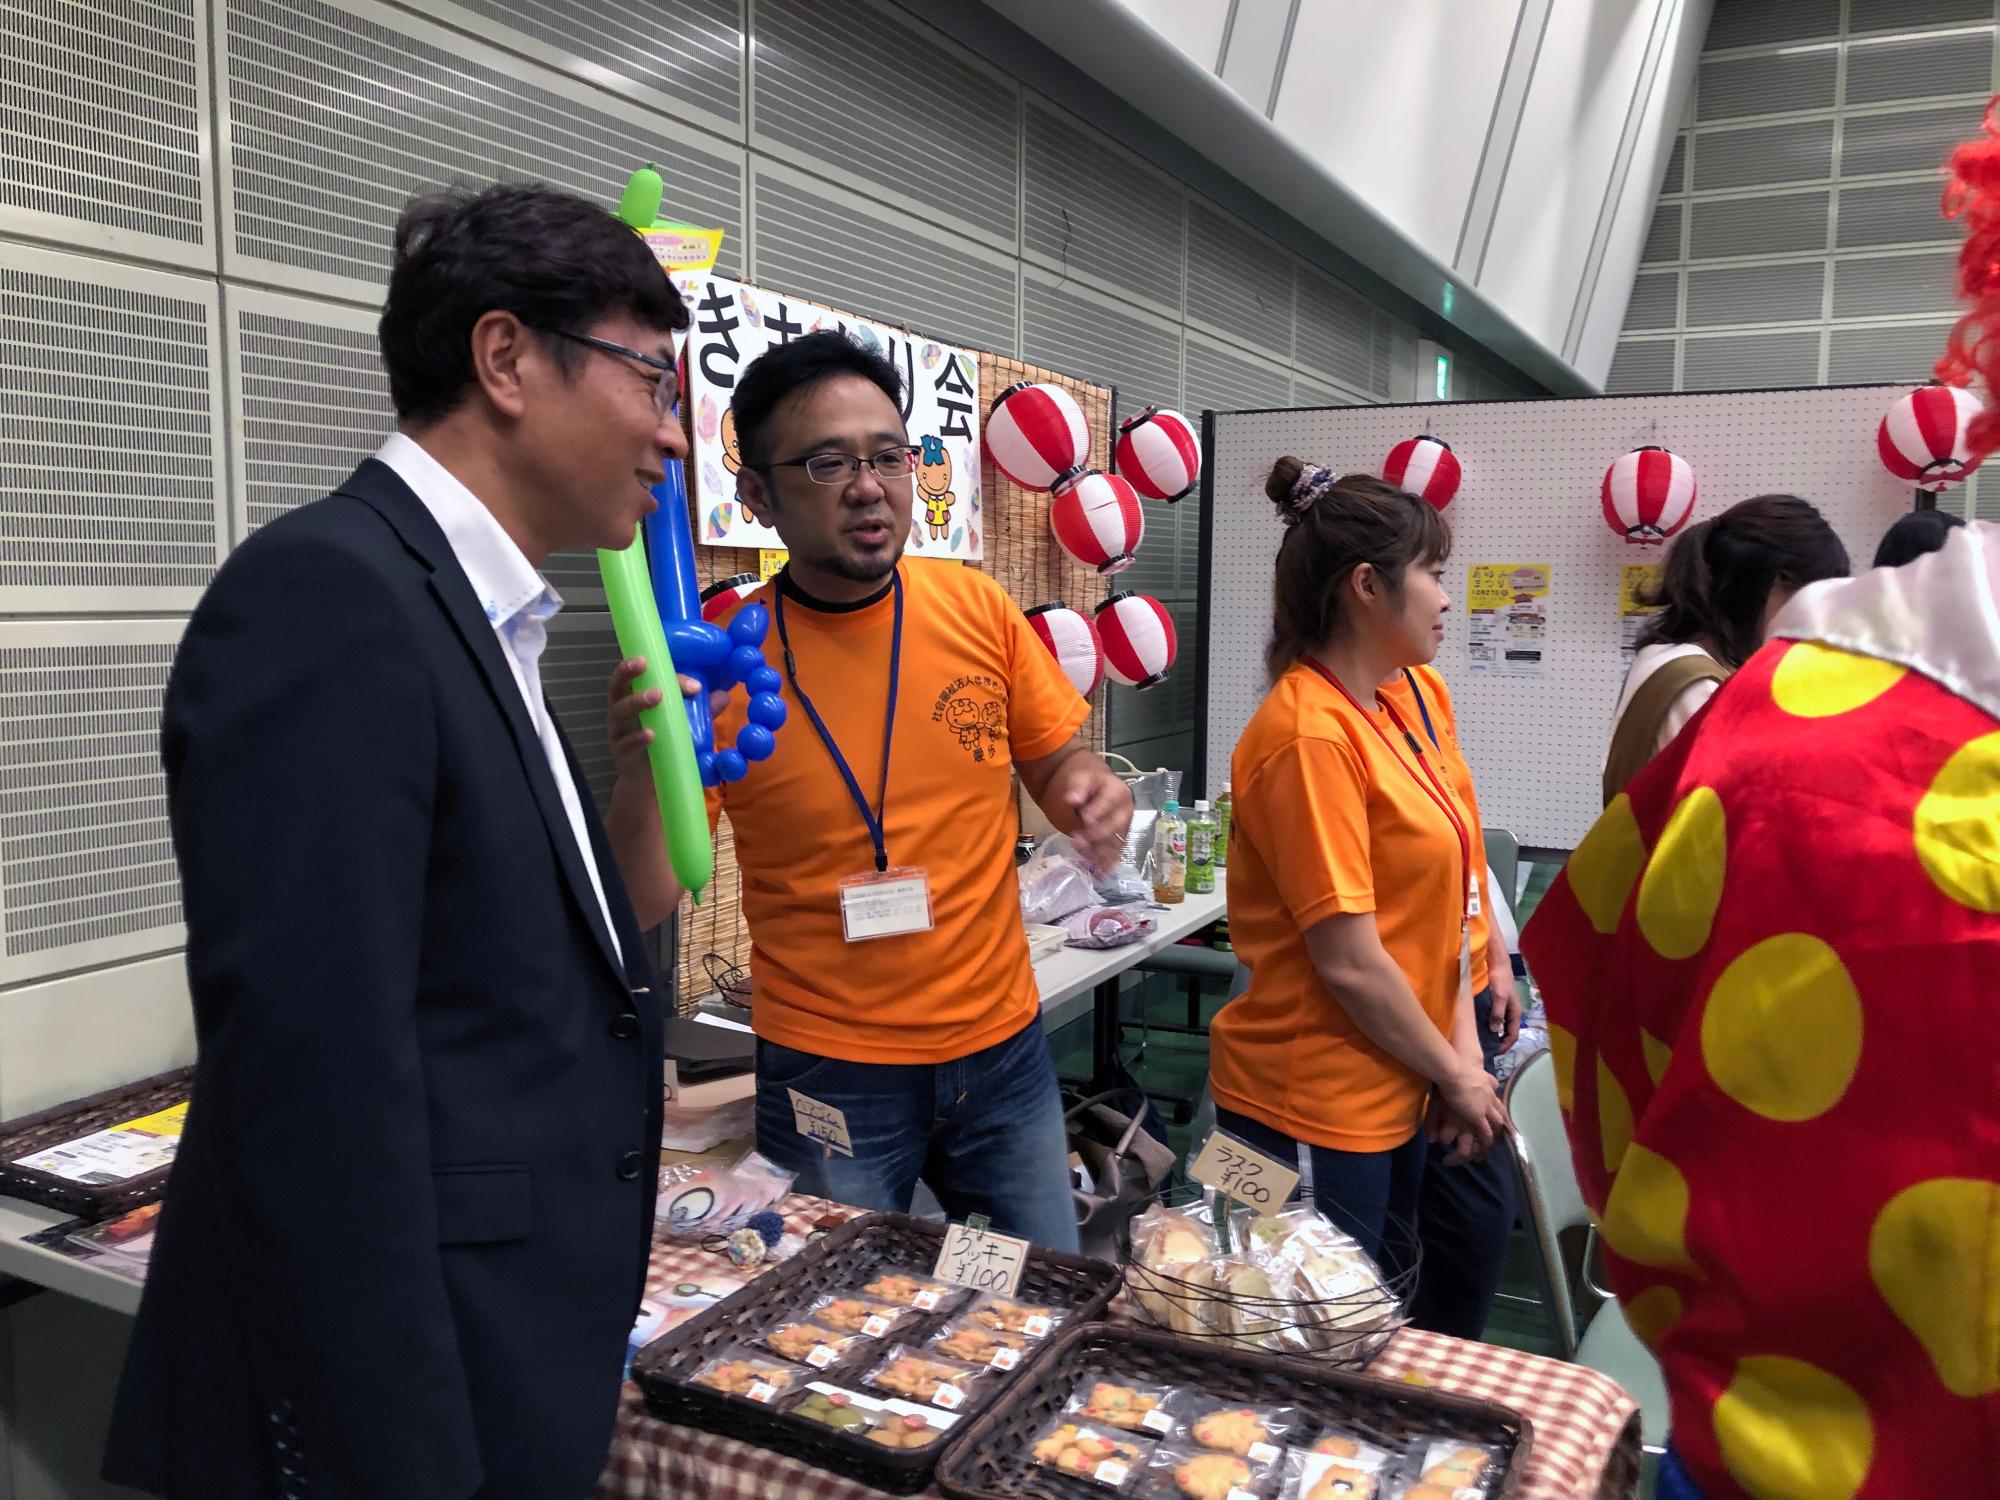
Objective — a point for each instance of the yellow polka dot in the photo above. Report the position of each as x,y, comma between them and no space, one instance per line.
1562,1057
1614,1117
1652,1313
1958,826
1781,1033
1602,868
1816,682
1934,1254
1683,882
1658,1055
1790,1431
1645,1218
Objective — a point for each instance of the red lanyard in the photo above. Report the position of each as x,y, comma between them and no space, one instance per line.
1432,786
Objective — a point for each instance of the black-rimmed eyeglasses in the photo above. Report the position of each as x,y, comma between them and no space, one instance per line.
666,390
840,468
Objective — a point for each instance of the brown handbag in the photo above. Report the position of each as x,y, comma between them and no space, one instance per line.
1632,740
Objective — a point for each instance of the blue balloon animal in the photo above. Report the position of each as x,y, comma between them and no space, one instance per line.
719,659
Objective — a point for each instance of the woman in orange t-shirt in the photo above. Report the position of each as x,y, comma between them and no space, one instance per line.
1351,873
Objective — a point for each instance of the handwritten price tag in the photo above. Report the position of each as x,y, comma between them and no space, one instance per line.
981,1259
820,1122
1250,1177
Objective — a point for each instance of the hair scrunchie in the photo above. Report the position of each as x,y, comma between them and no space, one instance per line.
1314,480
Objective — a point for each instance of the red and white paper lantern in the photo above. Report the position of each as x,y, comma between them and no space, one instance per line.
720,597
1159,452
1072,641
1426,467
1923,438
1138,636
1098,520
1037,435
1648,495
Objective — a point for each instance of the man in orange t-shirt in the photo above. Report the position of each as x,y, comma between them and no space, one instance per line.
891,979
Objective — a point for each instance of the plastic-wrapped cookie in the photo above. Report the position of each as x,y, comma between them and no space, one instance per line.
1009,1316
754,1377
1112,1460
907,1289
1136,1408
981,1346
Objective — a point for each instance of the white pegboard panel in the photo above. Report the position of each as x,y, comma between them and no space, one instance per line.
1533,471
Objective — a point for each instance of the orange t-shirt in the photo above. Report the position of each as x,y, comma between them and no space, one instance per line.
1331,818
1437,698
977,693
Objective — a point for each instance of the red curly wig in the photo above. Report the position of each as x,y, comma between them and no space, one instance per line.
1972,354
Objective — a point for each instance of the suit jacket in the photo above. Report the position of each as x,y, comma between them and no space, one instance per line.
406,1232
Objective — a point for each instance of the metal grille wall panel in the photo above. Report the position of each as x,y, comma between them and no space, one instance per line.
337,118
683,56
936,129
104,109
111,458
1815,247
86,861
310,399
1092,211
1064,328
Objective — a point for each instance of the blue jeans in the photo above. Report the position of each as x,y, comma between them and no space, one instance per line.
985,1132
1464,1218
1359,1191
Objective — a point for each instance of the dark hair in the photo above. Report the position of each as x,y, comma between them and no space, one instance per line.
1720,573
779,373
555,261
1913,535
1332,527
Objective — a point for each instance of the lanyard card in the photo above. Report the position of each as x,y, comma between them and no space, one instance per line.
891,904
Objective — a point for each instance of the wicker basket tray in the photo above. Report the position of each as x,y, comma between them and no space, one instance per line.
854,1253
989,1459
68,1122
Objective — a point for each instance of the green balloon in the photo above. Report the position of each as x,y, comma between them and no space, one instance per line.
640,206
676,780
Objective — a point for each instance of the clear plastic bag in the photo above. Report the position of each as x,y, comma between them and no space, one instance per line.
1183,1472
993,1347
1055,882
917,1376
749,1374
1154,1410
1102,1455
869,1316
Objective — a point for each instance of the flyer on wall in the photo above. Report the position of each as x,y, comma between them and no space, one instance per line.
733,323
1635,582
1507,613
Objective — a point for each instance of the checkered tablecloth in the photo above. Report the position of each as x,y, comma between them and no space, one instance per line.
1586,1428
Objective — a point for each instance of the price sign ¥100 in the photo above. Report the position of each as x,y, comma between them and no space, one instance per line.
1257,1181
982,1260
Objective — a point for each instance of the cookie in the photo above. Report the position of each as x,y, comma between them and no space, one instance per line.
1211,1476
833,1409
905,1430
978,1345
851,1314
1338,1445
1232,1431
1342,1484
1080,1450
742,1377
799,1341
1014,1317
908,1291
1120,1405
918,1378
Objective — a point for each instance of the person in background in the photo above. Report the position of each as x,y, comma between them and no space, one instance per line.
1915,534
1781,1109
1351,873
1725,579
1464,1216
407,1231
928,1038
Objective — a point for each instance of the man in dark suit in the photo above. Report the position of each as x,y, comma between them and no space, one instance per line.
407,1230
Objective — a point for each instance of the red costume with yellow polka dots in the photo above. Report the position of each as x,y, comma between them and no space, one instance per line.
1772,973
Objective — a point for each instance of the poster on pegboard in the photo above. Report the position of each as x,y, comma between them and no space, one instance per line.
1021,554
733,323
1507,619
1533,476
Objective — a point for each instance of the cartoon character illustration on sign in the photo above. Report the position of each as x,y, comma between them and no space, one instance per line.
732,456
934,486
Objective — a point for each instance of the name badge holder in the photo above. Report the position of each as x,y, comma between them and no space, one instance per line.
884,902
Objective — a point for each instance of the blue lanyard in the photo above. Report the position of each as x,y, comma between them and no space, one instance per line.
871,817
1418,693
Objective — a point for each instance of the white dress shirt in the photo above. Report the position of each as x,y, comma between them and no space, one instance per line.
518,601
